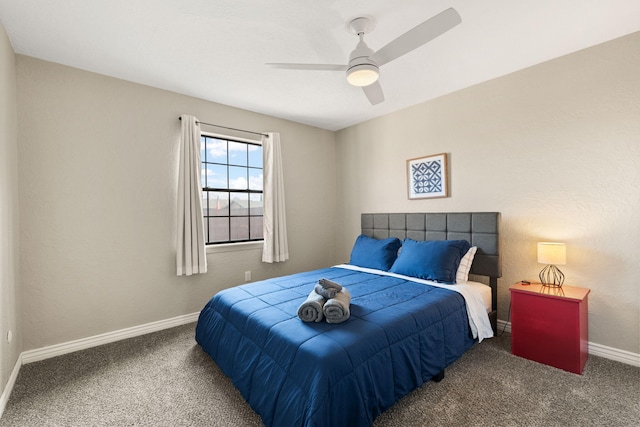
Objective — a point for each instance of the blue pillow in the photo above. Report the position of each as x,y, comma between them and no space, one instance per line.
435,260
373,253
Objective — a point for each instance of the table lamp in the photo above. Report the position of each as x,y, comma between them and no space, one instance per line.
552,254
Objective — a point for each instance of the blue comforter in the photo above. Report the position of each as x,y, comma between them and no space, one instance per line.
400,334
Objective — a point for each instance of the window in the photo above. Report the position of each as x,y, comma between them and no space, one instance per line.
232,195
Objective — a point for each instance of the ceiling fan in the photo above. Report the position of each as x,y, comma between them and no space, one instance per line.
363,67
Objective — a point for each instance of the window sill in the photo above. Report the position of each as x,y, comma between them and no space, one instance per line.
234,247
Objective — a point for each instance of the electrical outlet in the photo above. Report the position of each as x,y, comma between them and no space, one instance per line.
247,276
9,336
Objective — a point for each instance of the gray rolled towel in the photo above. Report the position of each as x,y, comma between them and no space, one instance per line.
311,309
336,309
328,284
327,293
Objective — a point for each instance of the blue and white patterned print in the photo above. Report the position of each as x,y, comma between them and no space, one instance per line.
427,177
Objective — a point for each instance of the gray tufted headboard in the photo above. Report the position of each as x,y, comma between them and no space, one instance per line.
481,229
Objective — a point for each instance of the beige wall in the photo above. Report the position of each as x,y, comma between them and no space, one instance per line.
555,148
98,177
9,271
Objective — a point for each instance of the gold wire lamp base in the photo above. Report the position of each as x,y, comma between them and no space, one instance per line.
551,277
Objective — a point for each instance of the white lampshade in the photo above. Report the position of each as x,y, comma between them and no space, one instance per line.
552,253
362,75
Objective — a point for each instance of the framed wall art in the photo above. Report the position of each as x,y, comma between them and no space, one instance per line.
427,177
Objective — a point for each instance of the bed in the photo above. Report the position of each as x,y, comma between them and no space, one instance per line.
402,330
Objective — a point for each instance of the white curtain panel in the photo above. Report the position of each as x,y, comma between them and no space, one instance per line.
191,256
276,248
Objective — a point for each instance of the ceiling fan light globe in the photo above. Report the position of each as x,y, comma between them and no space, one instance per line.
362,75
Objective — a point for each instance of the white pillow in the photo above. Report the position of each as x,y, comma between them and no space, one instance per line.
462,275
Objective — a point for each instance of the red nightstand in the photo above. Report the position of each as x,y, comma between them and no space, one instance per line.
550,325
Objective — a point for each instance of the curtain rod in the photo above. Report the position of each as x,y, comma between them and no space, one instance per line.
225,127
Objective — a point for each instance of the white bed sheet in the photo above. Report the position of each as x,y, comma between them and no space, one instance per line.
484,291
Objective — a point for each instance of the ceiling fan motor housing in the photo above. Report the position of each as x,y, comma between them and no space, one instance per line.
362,71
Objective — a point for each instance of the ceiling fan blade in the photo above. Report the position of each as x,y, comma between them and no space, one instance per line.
314,67
374,93
416,37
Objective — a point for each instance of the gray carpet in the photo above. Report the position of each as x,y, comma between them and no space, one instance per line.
165,379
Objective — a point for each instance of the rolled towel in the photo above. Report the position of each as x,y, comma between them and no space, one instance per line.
328,284
327,293
311,309
336,309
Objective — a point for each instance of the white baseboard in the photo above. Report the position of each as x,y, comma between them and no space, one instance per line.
109,337
4,398
614,354
504,326
595,349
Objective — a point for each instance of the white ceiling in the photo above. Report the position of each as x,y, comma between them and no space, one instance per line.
216,49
